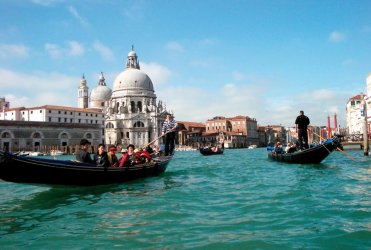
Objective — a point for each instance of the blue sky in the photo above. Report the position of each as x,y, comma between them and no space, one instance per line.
263,59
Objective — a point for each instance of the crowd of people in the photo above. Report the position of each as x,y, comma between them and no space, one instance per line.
131,155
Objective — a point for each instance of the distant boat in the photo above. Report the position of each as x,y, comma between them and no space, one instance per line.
35,154
314,154
56,152
211,151
252,147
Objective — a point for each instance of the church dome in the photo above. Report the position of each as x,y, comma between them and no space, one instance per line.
101,93
132,81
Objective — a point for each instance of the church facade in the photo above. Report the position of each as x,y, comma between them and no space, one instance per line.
132,114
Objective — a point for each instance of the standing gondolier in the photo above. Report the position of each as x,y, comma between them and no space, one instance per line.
302,123
168,128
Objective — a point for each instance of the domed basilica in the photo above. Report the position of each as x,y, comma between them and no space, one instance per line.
132,114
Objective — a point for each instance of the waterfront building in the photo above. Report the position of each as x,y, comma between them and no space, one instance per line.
49,126
354,115
235,132
132,114
190,134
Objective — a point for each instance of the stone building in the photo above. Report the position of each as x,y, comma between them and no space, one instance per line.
190,134
238,131
132,114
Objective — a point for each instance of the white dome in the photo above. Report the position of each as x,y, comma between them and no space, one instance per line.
133,81
100,93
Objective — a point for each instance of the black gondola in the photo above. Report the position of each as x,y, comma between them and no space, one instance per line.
314,154
209,151
26,169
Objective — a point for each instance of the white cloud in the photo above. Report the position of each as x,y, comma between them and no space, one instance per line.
45,2
13,50
53,50
238,76
38,88
175,47
201,63
105,52
159,74
337,37
77,15
75,48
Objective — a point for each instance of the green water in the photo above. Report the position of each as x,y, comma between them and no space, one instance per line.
239,200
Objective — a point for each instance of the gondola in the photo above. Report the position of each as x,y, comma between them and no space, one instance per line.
314,154
25,169
209,151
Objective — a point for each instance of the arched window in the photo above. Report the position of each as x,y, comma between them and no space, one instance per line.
36,135
139,106
110,125
139,124
64,136
5,135
117,107
132,106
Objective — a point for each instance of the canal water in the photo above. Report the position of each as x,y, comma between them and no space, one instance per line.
239,200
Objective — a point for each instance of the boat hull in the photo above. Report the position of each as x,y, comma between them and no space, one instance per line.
48,171
307,156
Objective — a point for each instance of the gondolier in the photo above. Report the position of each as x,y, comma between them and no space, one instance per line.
302,123
168,129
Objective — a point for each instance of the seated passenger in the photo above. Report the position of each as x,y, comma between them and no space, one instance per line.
101,158
214,149
83,155
278,148
128,158
112,158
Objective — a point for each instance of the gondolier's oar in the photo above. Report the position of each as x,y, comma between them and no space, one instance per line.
159,137
350,157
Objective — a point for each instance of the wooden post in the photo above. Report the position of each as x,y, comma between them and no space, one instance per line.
365,136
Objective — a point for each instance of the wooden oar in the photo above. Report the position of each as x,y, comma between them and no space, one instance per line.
350,157
158,138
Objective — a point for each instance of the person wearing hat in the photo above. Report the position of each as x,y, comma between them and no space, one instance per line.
128,157
112,158
168,130
83,155
101,158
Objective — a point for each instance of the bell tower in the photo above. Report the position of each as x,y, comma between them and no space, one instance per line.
83,94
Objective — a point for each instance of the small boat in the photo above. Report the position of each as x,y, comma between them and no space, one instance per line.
25,169
315,154
210,151
55,152
252,147
35,154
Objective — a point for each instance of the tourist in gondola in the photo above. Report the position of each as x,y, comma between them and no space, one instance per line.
129,157
112,158
302,123
290,148
101,158
83,155
168,128
278,148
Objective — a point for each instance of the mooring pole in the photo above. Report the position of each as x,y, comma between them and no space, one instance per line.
365,136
